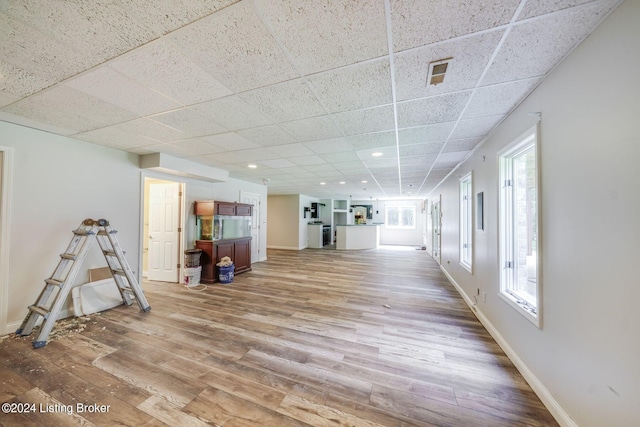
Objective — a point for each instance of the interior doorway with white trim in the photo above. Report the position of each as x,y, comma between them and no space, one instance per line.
163,226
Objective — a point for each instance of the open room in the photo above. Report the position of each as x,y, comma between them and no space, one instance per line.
354,213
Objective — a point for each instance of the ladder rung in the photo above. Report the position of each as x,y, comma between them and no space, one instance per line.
108,252
128,291
54,282
83,232
40,310
118,271
68,256
105,232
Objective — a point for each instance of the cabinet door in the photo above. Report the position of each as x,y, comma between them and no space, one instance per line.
225,208
206,260
243,210
243,255
225,249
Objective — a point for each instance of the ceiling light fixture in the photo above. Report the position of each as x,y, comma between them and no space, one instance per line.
252,166
376,154
323,183
437,70
342,182
364,181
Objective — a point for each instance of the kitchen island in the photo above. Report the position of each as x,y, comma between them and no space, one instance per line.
357,236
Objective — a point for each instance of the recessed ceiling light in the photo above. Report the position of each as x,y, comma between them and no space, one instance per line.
252,166
323,183
376,154
342,182
364,181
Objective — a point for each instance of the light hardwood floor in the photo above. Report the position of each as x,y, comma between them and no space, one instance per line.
312,337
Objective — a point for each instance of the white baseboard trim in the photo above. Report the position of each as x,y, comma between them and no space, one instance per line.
561,416
286,248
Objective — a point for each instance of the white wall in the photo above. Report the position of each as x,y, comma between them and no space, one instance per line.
586,355
57,183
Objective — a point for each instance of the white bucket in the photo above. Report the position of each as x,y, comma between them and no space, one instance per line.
192,276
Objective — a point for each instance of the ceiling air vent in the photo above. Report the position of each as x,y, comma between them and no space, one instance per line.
437,70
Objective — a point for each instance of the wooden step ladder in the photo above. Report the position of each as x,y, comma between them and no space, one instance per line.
57,287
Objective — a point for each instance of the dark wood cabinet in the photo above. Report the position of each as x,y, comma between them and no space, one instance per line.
225,208
210,208
239,250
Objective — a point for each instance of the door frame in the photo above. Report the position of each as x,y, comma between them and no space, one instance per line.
257,215
6,172
144,175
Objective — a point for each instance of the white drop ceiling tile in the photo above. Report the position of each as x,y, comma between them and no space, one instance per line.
372,140
189,122
165,69
62,38
419,150
326,34
533,47
308,160
436,109
167,15
312,129
332,145
542,7
469,56
294,170
320,168
291,150
345,156
465,144
381,163
277,163
81,112
349,165
153,129
437,133
267,136
387,153
283,102
368,120
445,19
116,137
232,113
195,147
230,141
251,155
452,157
476,127
117,89
358,86
17,82
499,99
6,98
236,47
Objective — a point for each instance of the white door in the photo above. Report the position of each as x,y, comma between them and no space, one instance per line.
253,199
164,222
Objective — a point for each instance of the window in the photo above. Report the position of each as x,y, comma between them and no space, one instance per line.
466,228
519,232
400,217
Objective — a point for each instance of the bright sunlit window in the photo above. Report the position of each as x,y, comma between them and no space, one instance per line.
466,218
400,217
519,231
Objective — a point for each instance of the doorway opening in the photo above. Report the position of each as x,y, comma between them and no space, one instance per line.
162,231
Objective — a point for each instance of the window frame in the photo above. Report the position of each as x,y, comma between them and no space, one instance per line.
400,207
507,262
466,222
